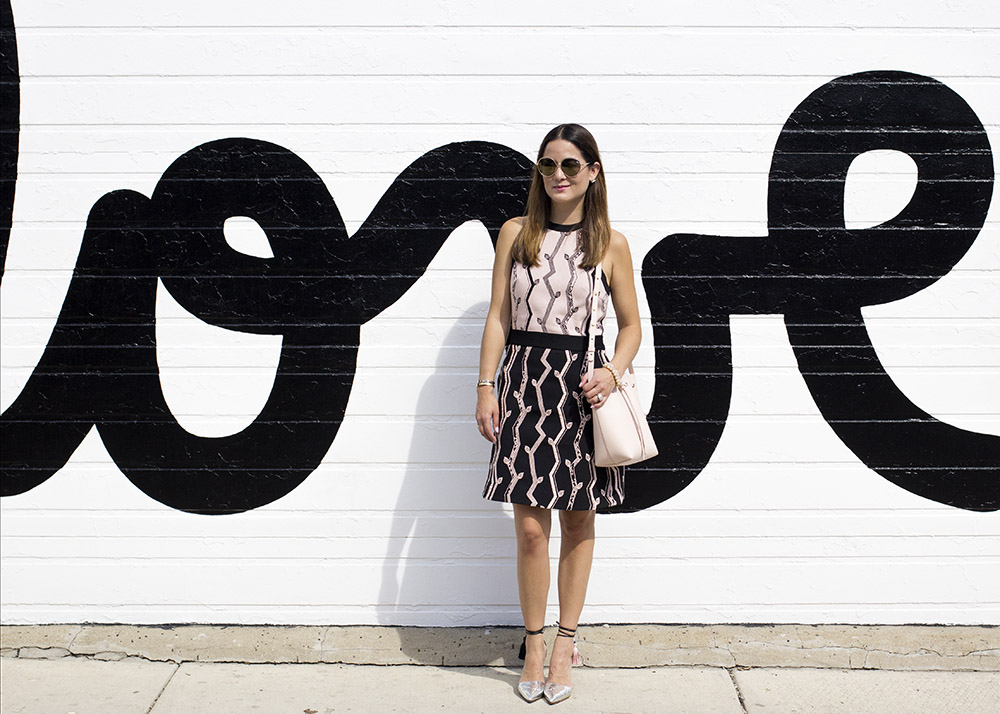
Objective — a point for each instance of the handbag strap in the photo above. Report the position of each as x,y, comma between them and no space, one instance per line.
593,322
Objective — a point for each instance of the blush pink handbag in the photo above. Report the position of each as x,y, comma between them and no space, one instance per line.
621,432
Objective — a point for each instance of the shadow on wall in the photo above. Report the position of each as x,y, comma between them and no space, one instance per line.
447,547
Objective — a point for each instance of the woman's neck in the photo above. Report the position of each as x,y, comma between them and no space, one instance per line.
566,215
571,219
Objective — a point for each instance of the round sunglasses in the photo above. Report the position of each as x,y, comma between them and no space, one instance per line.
570,167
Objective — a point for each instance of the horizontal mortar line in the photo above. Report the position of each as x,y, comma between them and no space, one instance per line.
31,78
445,75
344,463
426,325
467,420
402,150
171,345
341,148
747,225
350,538
484,513
896,176
814,276
429,79
486,536
647,534
56,177
161,153
499,511
480,509
321,249
687,126
502,512
477,471
195,469
421,28
632,127
485,606
471,470
12,561
337,275
906,322
176,373
38,168
501,519
431,370
463,418
877,180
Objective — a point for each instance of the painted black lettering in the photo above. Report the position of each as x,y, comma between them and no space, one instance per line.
820,274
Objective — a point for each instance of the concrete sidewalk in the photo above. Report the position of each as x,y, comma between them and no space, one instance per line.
82,686
190,669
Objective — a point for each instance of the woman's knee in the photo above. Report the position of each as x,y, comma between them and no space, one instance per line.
576,525
532,535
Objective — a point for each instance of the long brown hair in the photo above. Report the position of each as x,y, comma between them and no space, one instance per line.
595,232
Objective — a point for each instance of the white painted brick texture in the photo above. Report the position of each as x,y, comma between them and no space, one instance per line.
686,101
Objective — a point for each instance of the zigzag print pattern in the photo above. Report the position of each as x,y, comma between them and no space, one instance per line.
547,279
558,301
543,456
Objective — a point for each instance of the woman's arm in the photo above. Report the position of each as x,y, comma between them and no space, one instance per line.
495,330
622,279
618,267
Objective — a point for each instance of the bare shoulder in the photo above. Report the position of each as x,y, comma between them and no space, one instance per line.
619,258
511,228
618,241
508,232
618,248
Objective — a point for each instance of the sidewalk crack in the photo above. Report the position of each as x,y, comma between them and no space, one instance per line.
163,688
739,692
72,640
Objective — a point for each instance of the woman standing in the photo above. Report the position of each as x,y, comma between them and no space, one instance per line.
541,430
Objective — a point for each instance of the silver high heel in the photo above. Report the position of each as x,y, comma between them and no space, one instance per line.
532,689
555,693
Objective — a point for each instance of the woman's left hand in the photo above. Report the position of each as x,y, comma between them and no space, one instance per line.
598,387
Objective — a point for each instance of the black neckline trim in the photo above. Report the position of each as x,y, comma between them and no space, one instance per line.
564,227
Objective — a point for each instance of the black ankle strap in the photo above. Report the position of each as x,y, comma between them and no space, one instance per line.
565,631
534,632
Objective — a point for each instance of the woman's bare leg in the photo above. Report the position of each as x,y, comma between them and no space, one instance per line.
533,526
575,558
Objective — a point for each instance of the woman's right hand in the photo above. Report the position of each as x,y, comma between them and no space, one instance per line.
487,414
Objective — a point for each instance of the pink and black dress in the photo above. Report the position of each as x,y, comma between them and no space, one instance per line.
544,454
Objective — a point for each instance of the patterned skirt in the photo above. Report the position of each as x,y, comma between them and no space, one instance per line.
544,453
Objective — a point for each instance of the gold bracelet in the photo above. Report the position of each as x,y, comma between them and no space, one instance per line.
485,383
614,373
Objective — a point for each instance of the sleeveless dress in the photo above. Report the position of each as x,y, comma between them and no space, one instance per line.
544,453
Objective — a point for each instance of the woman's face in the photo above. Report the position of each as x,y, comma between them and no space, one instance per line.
563,189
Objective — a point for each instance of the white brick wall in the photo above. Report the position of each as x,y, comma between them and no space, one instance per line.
785,524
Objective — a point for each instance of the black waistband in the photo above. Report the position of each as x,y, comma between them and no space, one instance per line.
577,343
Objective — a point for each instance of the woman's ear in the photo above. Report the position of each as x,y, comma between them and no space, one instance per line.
595,169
